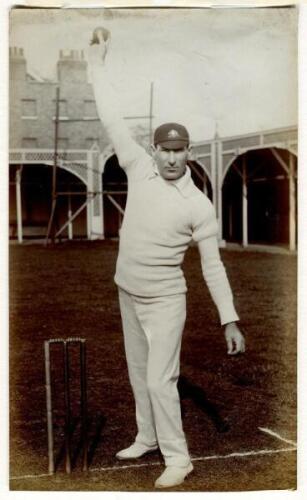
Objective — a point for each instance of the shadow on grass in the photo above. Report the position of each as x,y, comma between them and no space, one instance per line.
188,390
94,430
93,445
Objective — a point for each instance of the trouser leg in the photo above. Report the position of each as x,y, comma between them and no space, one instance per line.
136,349
163,322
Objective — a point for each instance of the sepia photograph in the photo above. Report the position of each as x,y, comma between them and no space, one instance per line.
153,249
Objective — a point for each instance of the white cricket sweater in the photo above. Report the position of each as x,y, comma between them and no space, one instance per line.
161,219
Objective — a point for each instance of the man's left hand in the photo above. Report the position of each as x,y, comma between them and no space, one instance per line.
234,338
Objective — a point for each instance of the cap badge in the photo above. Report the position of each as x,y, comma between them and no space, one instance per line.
172,134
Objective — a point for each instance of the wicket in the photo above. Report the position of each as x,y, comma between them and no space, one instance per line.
83,402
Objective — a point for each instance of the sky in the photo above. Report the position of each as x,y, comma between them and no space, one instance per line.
233,71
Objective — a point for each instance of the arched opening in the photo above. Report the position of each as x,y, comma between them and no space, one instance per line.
115,187
200,178
36,199
257,183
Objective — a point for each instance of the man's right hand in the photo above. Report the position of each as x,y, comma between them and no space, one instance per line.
99,45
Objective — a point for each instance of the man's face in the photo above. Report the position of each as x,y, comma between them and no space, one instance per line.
171,163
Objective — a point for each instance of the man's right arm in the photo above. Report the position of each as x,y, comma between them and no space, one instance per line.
126,149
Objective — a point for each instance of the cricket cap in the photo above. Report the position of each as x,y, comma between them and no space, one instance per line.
171,136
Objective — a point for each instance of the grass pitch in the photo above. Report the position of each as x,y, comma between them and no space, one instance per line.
69,291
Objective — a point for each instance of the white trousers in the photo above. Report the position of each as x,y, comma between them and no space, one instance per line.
153,330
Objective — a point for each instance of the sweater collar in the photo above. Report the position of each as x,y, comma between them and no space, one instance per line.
184,185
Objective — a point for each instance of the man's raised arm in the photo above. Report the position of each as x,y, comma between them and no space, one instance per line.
126,149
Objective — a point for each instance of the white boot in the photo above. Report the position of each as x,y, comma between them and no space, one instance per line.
136,450
172,476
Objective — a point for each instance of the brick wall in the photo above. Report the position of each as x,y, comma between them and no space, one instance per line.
75,92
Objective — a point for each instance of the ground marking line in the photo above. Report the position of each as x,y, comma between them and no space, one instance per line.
278,436
195,459
150,464
244,454
31,476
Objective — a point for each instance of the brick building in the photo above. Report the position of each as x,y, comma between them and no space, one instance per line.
32,132
32,105
251,178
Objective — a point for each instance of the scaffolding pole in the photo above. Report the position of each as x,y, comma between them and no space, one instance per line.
51,228
292,203
73,216
19,203
244,204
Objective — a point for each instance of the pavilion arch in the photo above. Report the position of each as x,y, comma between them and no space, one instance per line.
31,183
201,177
259,197
114,188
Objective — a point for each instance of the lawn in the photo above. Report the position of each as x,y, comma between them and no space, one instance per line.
68,291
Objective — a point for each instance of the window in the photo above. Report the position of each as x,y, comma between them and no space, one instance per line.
29,109
29,142
89,141
90,109
63,143
63,109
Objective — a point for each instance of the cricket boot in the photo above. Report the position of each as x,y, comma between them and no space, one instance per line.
136,450
173,476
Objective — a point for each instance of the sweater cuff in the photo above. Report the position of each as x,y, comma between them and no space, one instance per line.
228,313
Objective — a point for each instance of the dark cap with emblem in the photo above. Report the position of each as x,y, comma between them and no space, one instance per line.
171,136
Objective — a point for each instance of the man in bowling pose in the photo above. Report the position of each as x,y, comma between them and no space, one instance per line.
164,213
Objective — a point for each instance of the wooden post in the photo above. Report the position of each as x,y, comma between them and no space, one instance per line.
101,200
219,185
292,203
89,214
19,204
90,187
95,207
213,171
244,204
70,228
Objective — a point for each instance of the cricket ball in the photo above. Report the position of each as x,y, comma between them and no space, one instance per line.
100,33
